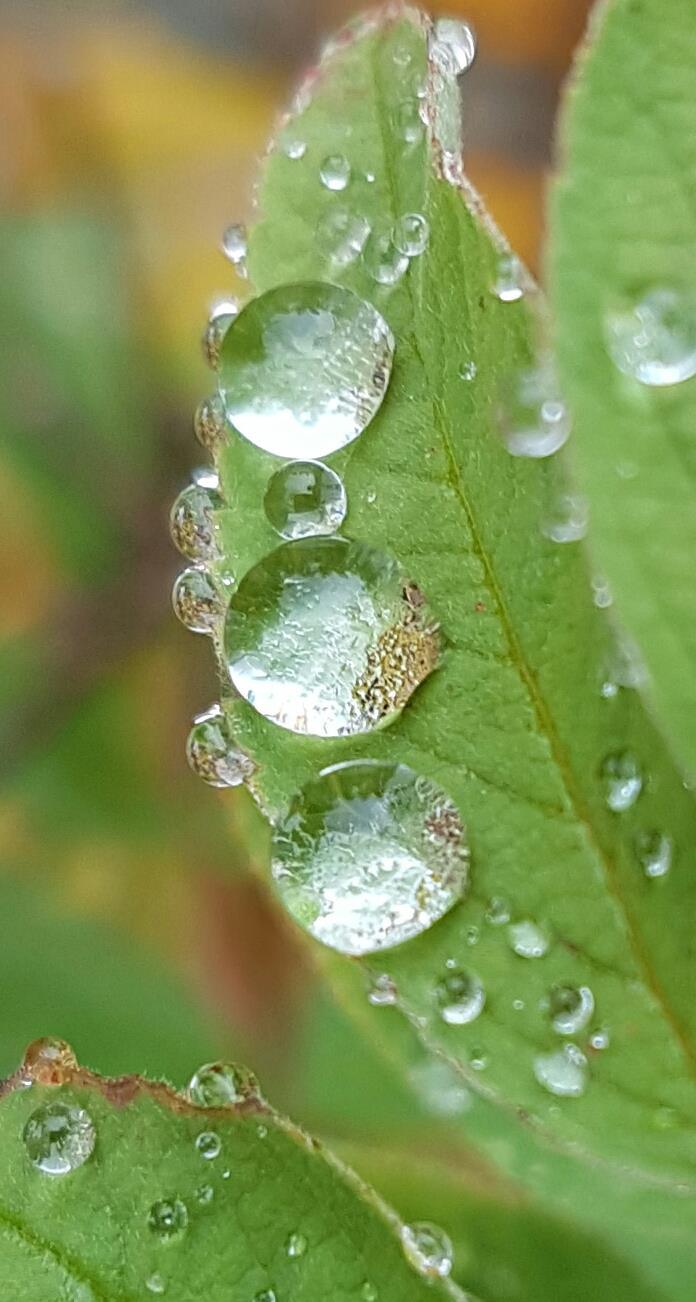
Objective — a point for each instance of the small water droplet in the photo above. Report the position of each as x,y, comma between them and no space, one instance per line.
208,1144
459,40
601,593
599,1040
262,1132
48,1061
209,424
370,855
654,851
478,1060
212,752
382,259
622,780
304,499
335,172
155,1284
221,316
567,522
440,1088
296,1245
382,993
204,1195
468,371
294,148
235,244
59,1137
563,1072
508,285
532,419
222,1084
304,369
460,996
570,1008
528,939
497,912
654,339
370,178
411,234
328,637
197,600
428,1249
266,1295
342,235
168,1218
368,1292
192,520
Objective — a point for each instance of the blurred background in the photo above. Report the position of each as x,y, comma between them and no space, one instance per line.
132,921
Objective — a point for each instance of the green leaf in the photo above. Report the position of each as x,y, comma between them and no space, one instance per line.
514,725
86,1235
624,225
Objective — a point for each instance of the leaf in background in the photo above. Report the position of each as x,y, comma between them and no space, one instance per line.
515,725
267,1217
623,236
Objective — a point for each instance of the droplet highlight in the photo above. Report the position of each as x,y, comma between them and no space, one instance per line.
305,499
508,285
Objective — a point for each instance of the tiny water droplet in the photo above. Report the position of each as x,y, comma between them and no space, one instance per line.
370,855
382,259
304,369
368,1292
197,600
622,780
204,1195
411,234
440,1087
601,593
212,752
528,939
294,148
327,637
382,993
235,243
508,285
459,40
296,1245
48,1061
342,235
409,120
304,499
655,853
221,316
532,419
478,1060
654,338
497,912
335,172
266,1295
599,1040
570,1008
208,1144
59,1137
262,1132
209,424
428,1249
155,1284
460,996
563,1072
222,1084
468,371
567,522
192,520
168,1218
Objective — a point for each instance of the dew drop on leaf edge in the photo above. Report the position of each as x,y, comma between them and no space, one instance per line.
222,1084
428,1249
197,600
48,1061
212,753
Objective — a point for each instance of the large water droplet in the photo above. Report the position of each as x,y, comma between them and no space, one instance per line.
305,498
198,600
235,243
655,853
221,317
654,339
563,1072
208,1144
213,753
192,520
168,1218
221,1085
335,172
383,260
428,1249
622,780
533,420
296,1245
209,423
528,939
460,996
570,1008
342,235
411,234
458,39
508,285
48,1061
567,521
304,369
59,1137
370,855
327,637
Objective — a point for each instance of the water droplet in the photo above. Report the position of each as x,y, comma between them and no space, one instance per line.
382,993
458,39
335,172
383,260
261,1132
296,1245
155,1284
567,522
266,1295
327,637
563,1072
197,600
204,1195
655,853
622,780
305,498
468,371
294,148
222,315
342,235
221,1085
409,120
370,855
428,1249
528,939
601,593
478,1060
192,520
460,996
235,244
600,1040
497,912
168,1218
304,369
570,1008
532,419
440,1088
48,1061
509,279
208,1144
411,234
59,1137
212,752
654,339
209,423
